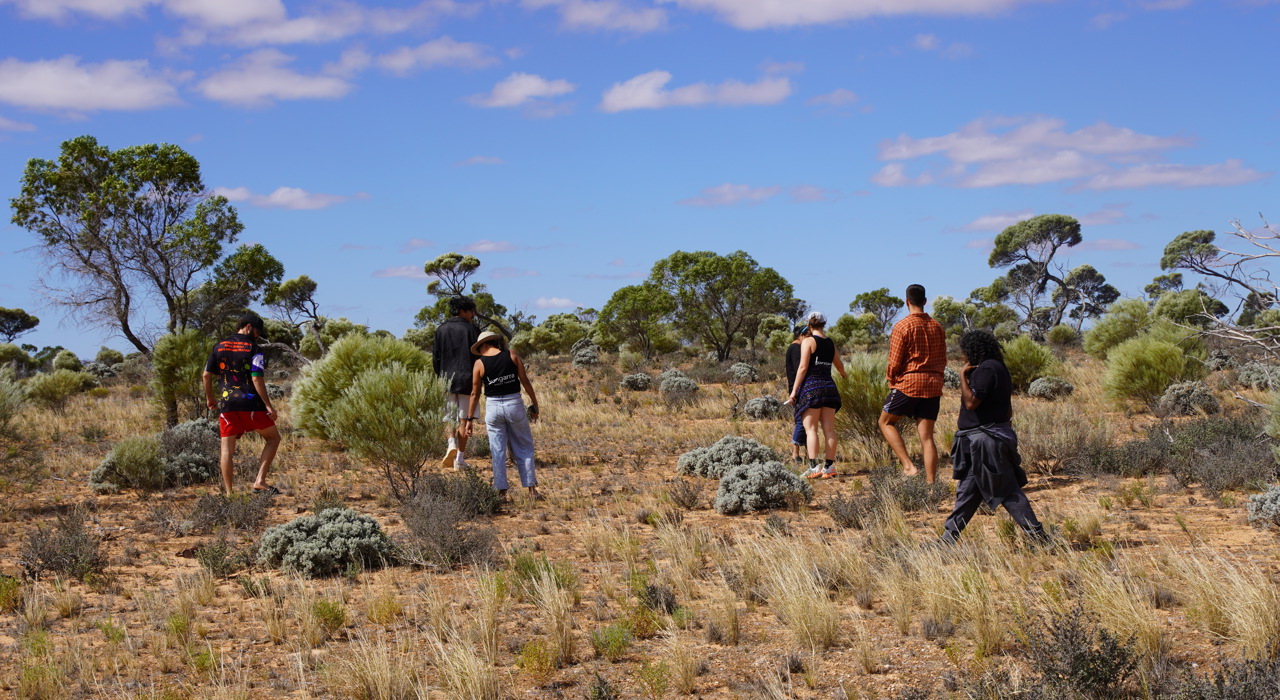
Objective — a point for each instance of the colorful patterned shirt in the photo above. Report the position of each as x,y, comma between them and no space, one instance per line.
236,361
917,356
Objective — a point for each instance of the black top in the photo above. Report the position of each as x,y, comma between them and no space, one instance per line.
500,376
236,361
990,383
793,364
821,358
451,353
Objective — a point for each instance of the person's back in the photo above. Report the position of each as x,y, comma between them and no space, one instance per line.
918,356
991,384
451,353
823,356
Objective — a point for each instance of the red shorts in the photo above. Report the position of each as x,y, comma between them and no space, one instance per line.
237,423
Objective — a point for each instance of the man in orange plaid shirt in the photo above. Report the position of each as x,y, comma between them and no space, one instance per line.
917,360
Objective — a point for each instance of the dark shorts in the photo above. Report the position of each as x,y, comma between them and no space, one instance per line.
899,404
237,423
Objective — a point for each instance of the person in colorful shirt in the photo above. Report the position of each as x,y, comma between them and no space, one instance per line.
243,404
917,361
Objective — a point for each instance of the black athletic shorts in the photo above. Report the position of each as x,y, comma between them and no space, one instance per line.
899,404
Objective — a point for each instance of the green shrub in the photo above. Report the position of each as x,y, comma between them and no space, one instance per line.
52,390
1259,375
1189,307
10,594
754,487
1076,657
1062,335
637,382
108,357
911,493
325,544
863,390
1141,368
1026,361
714,461
134,462
1124,320
178,361
323,382
612,642
1217,452
391,416
13,396
15,357
66,359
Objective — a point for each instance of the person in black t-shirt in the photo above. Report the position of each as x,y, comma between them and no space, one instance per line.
984,455
793,365
500,373
452,359
243,403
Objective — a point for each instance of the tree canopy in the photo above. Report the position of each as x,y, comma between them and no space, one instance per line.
636,315
15,322
882,306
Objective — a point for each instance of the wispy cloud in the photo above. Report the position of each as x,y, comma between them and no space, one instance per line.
520,89
836,98
555,303
481,160
729,194
65,84
931,43
414,272
648,91
1028,151
617,262
813,193
1106,244
282,198
764,14
485,245
1109,214
611,15
10,125
998,221
416,244
444,51
981,244
263,77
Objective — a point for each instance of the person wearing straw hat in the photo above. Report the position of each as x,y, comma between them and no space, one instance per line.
500,373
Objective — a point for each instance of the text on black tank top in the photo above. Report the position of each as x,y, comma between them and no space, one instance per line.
500,377
822,357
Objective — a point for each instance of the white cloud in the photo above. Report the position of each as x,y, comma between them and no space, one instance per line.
65,84
413,272
981,244
485,245
257,22
521,89
1230,172
227,13
930,42
444,51
416,244
835,98
262,77
61,9
482,160
10,125
813,193
729,194
762,14
998,221
555,303
648,91
1036,150
925,42
1109,214
281,198
603,14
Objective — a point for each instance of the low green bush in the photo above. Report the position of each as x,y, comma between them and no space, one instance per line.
863,390
1062,335
1026,361
1141,368
66,359
52,390
323,382
1124,320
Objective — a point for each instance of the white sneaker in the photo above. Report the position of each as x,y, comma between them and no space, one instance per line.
829,472
459,464
813,473
450,457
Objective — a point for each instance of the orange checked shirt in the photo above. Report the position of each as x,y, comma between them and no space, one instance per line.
917,356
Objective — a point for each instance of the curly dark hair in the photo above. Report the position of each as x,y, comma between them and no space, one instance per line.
979,346
459,304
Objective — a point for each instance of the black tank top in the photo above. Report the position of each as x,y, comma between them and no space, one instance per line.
820,360
500,377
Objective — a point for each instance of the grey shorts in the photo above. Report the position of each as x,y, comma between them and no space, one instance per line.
455,408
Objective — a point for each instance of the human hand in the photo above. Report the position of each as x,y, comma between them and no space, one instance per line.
209,403
271,412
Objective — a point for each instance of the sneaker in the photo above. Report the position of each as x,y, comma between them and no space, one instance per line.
829,472
813,473
459,464
450,457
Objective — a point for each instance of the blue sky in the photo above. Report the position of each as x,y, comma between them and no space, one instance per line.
849,144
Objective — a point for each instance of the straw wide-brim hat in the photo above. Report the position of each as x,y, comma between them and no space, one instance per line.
484,338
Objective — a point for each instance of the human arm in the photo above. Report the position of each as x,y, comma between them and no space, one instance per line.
528,387
837,363
209,401
477,376
897,363
967,398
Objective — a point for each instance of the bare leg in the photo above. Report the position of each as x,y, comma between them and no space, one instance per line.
829,431
462,439
930,450
228,463
811,419
889,429
272,438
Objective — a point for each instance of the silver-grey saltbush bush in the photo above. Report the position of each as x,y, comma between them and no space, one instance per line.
1050,388
678,390
762,408
1259,375
749,488
730,451
326,543
1187,399
742,373
637,382
1264,508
